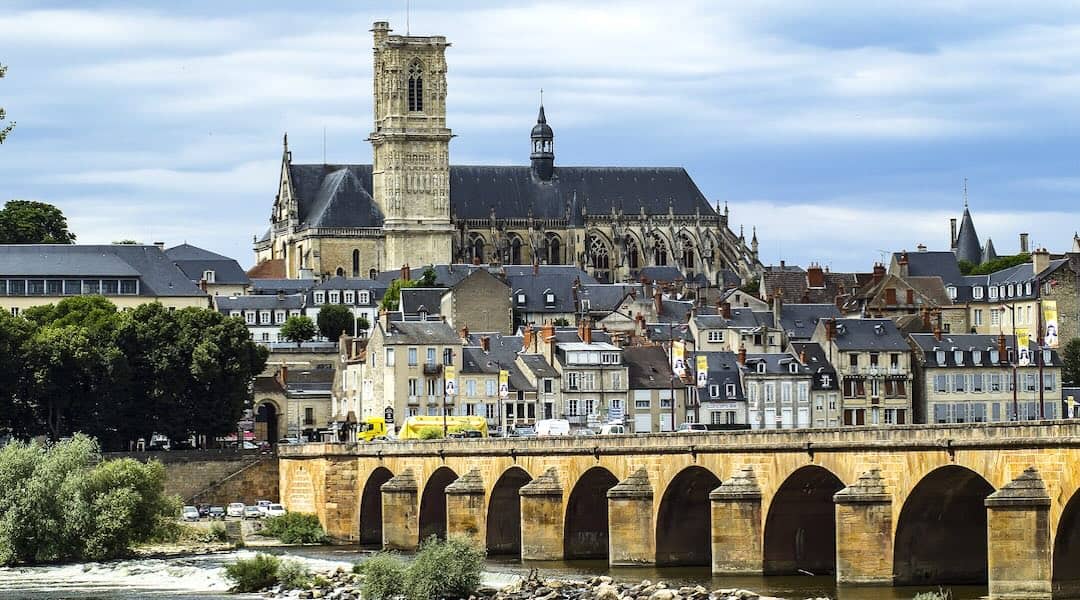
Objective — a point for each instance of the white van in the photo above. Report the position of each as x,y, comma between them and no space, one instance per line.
613,429
553,427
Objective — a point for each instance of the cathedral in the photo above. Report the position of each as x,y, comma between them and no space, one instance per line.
411,206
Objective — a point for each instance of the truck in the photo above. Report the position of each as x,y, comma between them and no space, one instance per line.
371,428
553,427
422,428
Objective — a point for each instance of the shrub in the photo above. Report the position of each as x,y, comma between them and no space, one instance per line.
295,528
444,569
384,577
253,574
941,594
430,434
294,575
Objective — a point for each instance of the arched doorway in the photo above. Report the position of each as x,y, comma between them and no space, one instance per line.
504,513
1066,573
586,529
941,533
433,504
683,526
266,422
371,506
800,530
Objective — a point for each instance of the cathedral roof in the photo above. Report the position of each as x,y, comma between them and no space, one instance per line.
967,241
341,195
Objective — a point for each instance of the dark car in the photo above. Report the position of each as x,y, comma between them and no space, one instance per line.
217,513
204,510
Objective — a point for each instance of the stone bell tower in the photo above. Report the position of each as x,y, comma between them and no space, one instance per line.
411,143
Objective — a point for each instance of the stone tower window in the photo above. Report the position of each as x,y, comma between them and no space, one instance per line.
416,87
356,263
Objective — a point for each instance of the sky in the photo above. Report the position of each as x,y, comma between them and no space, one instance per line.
840,130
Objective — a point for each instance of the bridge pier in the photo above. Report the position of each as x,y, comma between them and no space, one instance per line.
864,548
631,540
401,521
737,525
466,509
542,518
1018,539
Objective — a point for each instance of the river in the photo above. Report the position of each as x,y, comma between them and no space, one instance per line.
201,578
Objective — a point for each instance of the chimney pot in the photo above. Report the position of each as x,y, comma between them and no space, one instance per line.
742,356
725,309
485,343
937,333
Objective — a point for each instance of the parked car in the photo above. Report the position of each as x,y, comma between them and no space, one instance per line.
217,513
580,432
691,428
252,512
289,440
613,429
275,510
204,510
262,505
189,513
236,509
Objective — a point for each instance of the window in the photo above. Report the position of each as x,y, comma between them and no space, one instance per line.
940,357
804,392
365,297
714,391
588,381
995,356
128,287
1048,382
785,393
958,357
549,301
249,317
571,381
993,292
952,292
976,357
978,318
941,384
447,357
590,407
208,276
642,404
977,292
412,357
959,384
14,311
416,87
977,383
770,393
853,360
320,298
1011,290
489,411
335,297
854,388
616,381
548,386
573,407
434,387
1046,356
995,382
832,401
729,390
470,410
430,356
414,387
389,357
995,316
489,387
521,299
279,317
350,297
264,317
716,336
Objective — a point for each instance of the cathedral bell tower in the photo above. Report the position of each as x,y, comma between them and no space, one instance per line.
411,144
543,148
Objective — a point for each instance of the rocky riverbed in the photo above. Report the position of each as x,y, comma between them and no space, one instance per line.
342,585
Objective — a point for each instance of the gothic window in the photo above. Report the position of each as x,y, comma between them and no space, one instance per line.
373,274
416,87
515,250
633,253
660,254
340,272
599,257
356,263
552,250
687,251
475,249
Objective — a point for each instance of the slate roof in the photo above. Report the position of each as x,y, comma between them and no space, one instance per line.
966,343
195,261
534,288
665,332
352,283
648,367
259,302
776,363
606,297
420,332
818,364
157,274
274,286
569,335
723,369
503,350
799,320
660,273
967,240
341,195
539,366
868,334
413,299
941,264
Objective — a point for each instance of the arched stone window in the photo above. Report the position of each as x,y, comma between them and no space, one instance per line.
340,272
688,252
416,87
633,253
552,249
599,257
356,263
474,251
660,253
373,274
515,249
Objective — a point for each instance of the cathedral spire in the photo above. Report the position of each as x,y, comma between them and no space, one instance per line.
543,147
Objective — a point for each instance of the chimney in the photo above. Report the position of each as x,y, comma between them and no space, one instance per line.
802,355
404,276
926,318
777,306
921,247
658,301
742,355
527,338
587,332
725,310
902,262
1003,356
1023,243
485,344
952,233
384,316
548,337
159,245
465,332
202,284
839,300
815,276
879,273
830,330
1040,260
910,297
937,332
781,265
639,324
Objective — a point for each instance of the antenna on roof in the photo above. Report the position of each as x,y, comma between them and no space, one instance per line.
965,193
541,96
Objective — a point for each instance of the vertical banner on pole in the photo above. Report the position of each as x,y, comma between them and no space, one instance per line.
678,358
1050,322
450,377
504,384
702,370
1023,350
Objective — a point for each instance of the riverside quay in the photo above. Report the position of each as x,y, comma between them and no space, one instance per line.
994,503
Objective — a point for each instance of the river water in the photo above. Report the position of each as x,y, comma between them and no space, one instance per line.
201,578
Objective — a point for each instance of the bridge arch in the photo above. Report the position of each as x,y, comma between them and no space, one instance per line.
371,521
683,522
941,532
800,529
1066,558
433,503
504,513
585,533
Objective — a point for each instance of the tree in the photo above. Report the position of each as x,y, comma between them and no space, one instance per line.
28,222
334,319
4,129
1070,355
299,329
392,297
15,414
362,325
428,278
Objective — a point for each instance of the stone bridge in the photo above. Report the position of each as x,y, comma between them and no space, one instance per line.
993,503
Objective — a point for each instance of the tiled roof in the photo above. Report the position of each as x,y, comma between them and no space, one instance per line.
421,332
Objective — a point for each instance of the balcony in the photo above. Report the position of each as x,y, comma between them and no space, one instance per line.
430,369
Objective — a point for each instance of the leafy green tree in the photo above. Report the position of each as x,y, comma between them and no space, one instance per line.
1070,355
428,278
96,313
15,414
362,324
1003,262
4,129
334,319
299,329
29,222
392,298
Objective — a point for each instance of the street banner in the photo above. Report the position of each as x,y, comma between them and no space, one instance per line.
1023,351
1050,322
678,358
451,380
504,383
702,370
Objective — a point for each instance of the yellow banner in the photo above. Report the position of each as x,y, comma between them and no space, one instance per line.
450,377
702,370
504,383
1050,323
1023,351
678,358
